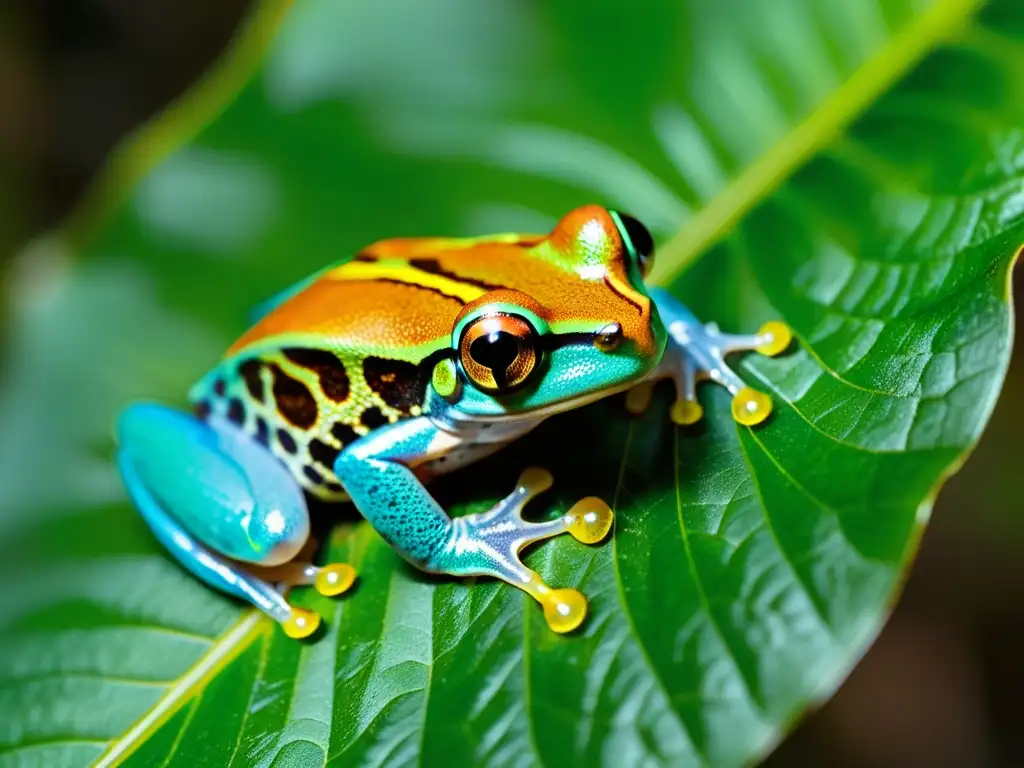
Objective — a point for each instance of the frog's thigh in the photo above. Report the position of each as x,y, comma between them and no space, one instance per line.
221,486
210,494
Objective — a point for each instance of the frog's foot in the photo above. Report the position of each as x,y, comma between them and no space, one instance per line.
489,543
697,353
266,587
329,580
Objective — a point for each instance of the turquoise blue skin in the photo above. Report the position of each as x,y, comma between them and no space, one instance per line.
218,500
210,494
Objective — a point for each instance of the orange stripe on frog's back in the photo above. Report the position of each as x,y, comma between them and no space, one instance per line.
379,299
361,313
408,292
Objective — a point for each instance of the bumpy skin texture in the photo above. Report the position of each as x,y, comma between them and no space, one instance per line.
415,358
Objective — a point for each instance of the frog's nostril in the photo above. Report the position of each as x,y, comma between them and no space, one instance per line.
609,337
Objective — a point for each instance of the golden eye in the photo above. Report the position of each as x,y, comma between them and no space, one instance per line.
498,352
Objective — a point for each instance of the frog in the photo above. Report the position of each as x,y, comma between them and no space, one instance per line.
414,358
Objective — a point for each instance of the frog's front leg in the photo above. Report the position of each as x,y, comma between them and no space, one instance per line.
697,352
378,476
225,507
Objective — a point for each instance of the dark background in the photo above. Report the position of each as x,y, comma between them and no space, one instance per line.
944,683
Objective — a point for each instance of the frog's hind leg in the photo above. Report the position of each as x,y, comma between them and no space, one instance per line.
378,476
223,506
696,352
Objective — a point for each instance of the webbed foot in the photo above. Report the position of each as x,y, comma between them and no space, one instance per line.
489,543
329,580
696,352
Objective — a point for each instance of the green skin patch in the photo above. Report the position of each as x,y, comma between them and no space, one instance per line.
445,379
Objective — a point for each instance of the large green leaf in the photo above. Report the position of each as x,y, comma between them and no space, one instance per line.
851,166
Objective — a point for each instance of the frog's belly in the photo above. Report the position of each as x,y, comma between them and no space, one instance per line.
457,459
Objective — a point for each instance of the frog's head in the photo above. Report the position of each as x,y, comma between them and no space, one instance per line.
570,322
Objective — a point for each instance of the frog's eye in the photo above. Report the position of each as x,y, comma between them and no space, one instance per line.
498,352
638,239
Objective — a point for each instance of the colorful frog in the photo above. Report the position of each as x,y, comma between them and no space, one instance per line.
415,358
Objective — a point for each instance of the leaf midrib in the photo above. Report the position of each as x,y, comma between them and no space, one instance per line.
239,637
781,160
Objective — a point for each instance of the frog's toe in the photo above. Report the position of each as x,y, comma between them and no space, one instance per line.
489,544
329,580
686,412
772,339
300,623
334,579
638,398
700,353
589,520
750,407
775,338
564,609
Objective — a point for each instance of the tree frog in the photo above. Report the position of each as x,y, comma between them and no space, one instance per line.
414,358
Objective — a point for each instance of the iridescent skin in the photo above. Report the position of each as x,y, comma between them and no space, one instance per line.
417,357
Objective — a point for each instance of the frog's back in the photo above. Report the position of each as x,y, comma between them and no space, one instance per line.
350,351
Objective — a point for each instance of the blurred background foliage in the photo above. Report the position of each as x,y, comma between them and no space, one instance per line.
941,686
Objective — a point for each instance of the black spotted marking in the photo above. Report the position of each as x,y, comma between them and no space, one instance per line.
400,384
328,368
343,433
322,453
219,387
250,373
202,409
294,400
312,475
236,411
364,257
262,431
373,418
333,487
286,441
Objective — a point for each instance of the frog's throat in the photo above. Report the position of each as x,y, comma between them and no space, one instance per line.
445,415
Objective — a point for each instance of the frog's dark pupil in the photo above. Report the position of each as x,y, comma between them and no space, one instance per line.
497,351
639,236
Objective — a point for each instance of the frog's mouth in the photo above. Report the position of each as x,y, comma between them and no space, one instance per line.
552,409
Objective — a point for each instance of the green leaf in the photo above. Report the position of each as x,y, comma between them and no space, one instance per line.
853,167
